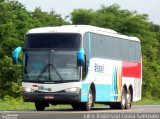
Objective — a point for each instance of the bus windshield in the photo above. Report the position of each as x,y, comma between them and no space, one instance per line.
51,66
67,41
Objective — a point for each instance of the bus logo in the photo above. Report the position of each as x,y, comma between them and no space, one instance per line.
99,68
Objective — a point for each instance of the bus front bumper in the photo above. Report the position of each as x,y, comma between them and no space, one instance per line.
58,97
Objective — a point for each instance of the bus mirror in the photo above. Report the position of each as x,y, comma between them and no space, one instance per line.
15,55
80,57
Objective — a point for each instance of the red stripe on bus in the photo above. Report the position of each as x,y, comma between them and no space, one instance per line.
131,69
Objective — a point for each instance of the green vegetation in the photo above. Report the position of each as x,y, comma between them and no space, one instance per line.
10,103
15,21
146,101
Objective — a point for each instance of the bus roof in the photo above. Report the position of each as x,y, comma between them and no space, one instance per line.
81,29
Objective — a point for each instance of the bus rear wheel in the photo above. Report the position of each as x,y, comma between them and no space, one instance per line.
122,104
39,106
128,100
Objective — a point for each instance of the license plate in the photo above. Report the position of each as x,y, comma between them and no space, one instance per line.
48,97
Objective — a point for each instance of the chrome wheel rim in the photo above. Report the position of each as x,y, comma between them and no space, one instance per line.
90,101
128,99
123,101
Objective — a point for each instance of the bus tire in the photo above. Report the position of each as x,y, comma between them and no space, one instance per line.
128,100
39,106
122,104
88,105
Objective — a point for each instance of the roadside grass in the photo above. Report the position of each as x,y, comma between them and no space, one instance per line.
147,101
17,104
5,105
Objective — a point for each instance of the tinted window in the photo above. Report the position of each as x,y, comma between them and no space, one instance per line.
95,45
86,45
60,41
125,49
114,48
132,51
138,51
47,66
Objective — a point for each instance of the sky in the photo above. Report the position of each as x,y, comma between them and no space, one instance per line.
65,7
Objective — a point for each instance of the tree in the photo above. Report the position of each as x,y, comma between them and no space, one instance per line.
41,19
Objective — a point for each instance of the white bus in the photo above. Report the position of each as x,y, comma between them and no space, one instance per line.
80,65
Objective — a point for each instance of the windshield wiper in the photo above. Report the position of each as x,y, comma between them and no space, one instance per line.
48,66
53,67
42,71
58,74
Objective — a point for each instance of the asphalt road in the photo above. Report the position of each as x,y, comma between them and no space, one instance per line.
141,112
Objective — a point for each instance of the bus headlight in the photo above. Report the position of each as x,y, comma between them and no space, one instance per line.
25,89
75,90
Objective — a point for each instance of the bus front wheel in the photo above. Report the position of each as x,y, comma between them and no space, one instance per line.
88,105
39,106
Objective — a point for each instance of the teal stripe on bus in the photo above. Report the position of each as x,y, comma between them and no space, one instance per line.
84,92
103,93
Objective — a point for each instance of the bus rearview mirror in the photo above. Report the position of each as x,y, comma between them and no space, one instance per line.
15,55
80,57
